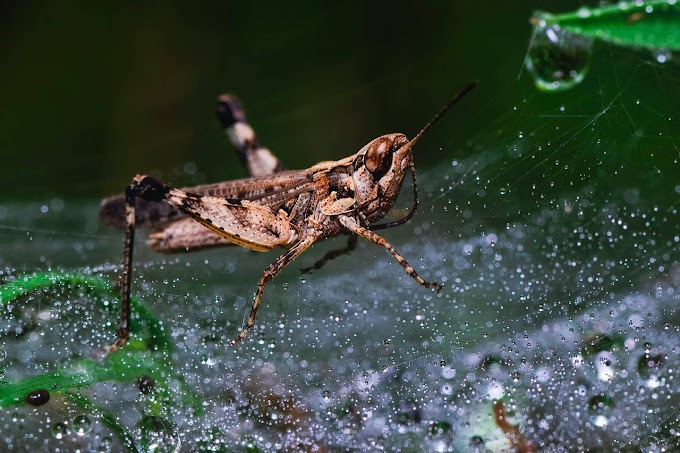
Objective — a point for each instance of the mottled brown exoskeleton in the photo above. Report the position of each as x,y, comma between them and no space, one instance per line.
291,209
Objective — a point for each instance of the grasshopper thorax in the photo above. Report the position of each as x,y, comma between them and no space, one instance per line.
377,174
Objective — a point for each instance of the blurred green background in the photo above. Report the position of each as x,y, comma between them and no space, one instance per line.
95,92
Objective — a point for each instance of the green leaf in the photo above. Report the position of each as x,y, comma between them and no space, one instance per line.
561,46
138,358
653,25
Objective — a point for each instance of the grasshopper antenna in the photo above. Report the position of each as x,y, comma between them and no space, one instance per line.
453,101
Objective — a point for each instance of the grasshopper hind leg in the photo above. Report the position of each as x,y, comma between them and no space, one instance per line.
149,191
257,160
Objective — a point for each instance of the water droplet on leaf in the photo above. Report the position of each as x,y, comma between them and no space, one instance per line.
557,59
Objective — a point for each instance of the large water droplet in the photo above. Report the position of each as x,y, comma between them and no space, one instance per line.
146,384
557,59
82,425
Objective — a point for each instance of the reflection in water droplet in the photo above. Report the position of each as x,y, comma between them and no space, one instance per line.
82,425
557,59
604,364
649,364
477,444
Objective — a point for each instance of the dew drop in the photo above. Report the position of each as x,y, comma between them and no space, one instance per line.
477,443
647,364
662,56
59,430
557,59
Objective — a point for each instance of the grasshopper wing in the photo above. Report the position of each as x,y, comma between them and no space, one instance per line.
272,191
242,222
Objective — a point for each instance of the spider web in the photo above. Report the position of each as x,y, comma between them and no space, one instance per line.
556,234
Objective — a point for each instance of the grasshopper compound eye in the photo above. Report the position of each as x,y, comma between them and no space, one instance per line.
380,154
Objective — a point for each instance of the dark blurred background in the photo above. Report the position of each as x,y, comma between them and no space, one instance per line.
94,92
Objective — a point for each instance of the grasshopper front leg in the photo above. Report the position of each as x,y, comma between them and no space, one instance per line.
365,233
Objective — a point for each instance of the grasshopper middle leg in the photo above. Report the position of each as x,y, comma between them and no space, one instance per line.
332,254
269,273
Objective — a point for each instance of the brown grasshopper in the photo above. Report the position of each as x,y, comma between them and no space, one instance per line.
273,208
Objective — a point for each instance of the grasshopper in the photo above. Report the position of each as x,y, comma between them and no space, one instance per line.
292,209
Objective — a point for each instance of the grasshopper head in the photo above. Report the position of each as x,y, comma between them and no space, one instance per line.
378,171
